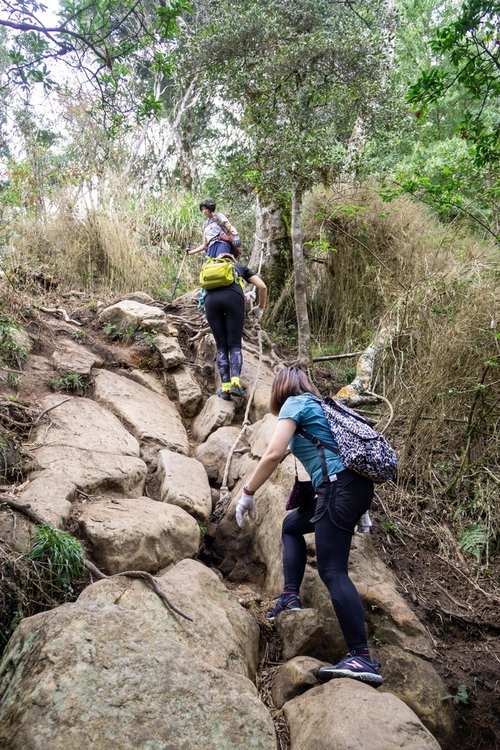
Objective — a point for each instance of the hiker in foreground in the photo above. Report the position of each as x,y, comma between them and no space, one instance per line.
337,499
223,278
219,235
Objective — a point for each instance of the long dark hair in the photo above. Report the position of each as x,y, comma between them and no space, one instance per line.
290,381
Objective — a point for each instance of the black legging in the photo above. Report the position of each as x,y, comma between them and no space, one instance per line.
337,510
225,311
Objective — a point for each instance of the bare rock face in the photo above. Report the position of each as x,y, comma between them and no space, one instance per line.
138,534
417,683
141,297
214,451
389,616
171,353
95,473
119,670
81,423
73,357
264,376
129,315
184,389
152,418
346,714
147,379
184,482
300,632
216,413
50,494
261,434
293,678
87,448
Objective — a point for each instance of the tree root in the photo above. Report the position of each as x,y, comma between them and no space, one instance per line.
143,574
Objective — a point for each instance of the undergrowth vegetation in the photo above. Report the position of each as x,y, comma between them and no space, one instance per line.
37,581
111,244
436,287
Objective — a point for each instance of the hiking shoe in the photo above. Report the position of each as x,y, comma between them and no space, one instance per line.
224,395
357,667
236,390
286,603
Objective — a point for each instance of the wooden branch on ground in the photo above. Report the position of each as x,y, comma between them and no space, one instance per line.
336,356
60,311
153,584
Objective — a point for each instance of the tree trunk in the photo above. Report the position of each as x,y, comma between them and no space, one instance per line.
299,268
269,233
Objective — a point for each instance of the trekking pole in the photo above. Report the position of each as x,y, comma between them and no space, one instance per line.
176,284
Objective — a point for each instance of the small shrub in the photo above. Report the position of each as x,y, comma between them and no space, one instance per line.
70,381
60,554
110,330
461,696
14,380
78,335
12,352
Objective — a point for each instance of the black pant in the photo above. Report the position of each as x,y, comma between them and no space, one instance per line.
225,311
332,517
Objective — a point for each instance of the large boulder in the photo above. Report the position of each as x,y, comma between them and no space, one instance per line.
216,413
346,714
152,418
81,423
184,482
416,682
214,451
137,534
73,357
129,316
264,375
183,387
170,351
85,448
117,669
293,678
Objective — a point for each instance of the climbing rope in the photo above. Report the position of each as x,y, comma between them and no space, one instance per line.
225,495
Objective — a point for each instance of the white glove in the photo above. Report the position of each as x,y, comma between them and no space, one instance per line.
250,296
256,313
245,503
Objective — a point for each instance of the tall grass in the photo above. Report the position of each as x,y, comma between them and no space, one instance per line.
110,244
437,287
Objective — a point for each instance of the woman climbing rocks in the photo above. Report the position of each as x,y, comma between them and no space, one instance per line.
341,498
225,313
219,235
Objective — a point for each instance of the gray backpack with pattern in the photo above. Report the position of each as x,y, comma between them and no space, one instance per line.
361,448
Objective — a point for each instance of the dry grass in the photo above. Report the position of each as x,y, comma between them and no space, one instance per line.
438,288
111,246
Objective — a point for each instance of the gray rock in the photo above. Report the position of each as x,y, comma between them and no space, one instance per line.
137,534
345,714
184,482
216,413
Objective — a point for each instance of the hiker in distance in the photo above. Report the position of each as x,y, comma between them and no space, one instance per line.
337,500
219,235
225,314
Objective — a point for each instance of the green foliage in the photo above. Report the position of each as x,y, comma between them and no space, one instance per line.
460,697
108,39
473,540
12,351
470,58
14,380
110,330
70,381
300,73
78,335
60,554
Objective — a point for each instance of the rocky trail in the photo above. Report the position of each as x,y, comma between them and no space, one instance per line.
132,463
